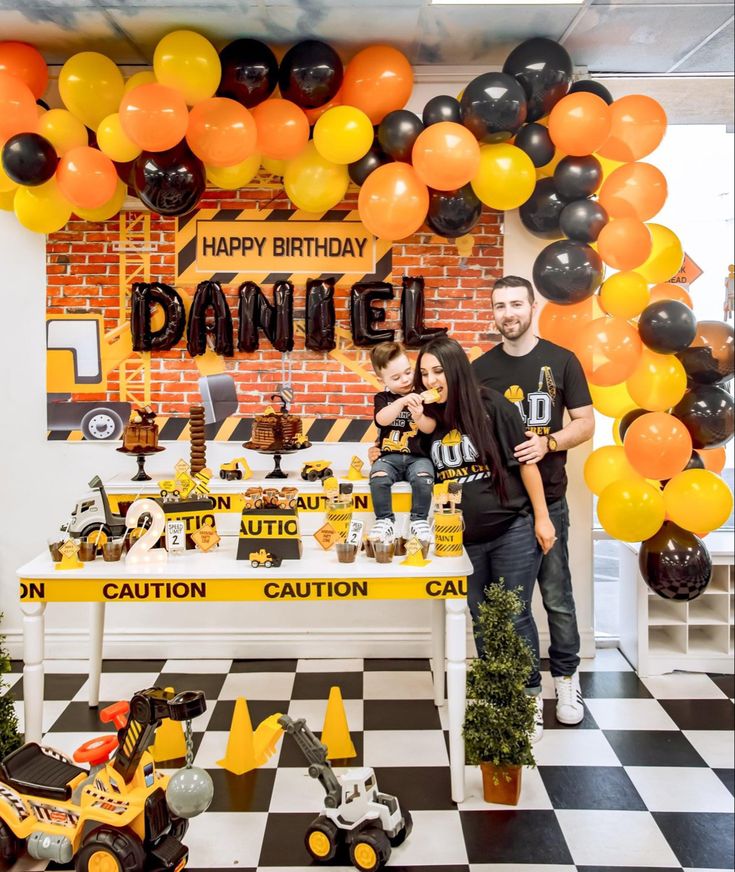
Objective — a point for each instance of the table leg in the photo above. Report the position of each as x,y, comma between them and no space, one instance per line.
438,629
96,635
33,654
456,690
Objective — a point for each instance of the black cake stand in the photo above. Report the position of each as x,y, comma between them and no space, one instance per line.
141,455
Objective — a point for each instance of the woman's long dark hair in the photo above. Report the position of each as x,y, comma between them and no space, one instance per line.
464,408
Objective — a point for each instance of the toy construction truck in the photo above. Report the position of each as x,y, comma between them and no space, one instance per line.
280,498
92,517
252,498
261,557
235,470
111,816
355,813
316,469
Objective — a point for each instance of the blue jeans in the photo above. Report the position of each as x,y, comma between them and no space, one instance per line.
515,557
390,468
555,584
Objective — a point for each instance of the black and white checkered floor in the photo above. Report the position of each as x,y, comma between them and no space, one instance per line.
644,782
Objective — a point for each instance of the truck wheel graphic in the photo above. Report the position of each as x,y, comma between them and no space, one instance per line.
102,424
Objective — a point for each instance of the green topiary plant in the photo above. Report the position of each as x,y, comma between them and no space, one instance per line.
499,720
10,738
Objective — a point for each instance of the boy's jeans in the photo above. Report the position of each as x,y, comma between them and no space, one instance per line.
390,468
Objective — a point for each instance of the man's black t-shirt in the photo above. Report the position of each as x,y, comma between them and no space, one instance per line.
455,459
542,384
402,436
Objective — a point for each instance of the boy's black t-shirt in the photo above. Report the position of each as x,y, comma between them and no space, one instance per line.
455,459
541,384
402,436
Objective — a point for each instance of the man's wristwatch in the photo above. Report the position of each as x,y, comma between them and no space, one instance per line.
551,442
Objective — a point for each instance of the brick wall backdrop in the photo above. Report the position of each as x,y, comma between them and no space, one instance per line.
83,268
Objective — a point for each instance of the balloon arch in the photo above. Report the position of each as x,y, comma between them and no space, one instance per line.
564,153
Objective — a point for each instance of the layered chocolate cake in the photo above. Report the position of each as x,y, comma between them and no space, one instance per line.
141,432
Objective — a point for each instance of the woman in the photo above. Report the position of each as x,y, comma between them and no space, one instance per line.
507,524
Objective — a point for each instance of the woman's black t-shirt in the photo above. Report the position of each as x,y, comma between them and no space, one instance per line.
455,459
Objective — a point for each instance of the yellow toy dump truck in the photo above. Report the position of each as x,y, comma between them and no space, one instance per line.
316,469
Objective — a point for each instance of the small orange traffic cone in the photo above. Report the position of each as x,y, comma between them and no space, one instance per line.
335,732
169,743
240,754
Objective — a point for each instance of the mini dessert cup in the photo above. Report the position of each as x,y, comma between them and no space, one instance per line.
369,548
112,550
54,543
87,550
346,553
384,551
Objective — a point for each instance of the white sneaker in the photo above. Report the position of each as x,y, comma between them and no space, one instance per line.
538,726
421,530
382,531
569,705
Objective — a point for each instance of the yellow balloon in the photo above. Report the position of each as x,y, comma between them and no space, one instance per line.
91,87
506,177
63,130
698,500
624,294
42,208
343,134
658,382
188,62
7,199
613,401
666,257
144,77
236,176
631,509
606,465
313,183
114,142
106,210
274,166
7,185
616,431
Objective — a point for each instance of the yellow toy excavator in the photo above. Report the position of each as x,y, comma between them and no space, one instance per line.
235,470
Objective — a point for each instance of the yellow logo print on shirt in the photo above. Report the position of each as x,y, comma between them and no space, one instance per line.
515,394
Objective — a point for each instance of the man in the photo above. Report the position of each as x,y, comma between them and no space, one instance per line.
543,380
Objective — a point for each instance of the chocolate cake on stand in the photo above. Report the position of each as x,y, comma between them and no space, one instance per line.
140,438
277,433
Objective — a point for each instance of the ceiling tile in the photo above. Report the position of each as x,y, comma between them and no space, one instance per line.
714,57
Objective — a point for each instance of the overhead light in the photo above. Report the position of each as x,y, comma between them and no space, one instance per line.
506,2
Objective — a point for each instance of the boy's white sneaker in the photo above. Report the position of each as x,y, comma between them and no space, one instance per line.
420,530
569,704
538,725
382,531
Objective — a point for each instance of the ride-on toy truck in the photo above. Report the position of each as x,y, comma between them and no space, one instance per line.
264,558
92,517
112,817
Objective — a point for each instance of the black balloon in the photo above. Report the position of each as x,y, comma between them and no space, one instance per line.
142,299
274,319
368,163
541,212
628,419
209,295
169,182
397,133
442,108
578,177
710,358
453,213
544,68
583,220
675,563
29,159
320,316
707,413
249,72
493,107
567,272
667,326
591,87
412,314
534,139
310,74
364,317
694,462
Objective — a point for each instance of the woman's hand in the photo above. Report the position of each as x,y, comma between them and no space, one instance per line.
545,533
415,406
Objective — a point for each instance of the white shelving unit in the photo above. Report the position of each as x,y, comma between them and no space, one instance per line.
659,635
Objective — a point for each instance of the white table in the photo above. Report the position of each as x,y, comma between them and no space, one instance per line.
219,577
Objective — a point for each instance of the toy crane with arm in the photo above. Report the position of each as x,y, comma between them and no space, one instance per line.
355,813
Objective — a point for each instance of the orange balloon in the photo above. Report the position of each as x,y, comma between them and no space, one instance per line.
17,107
283,129
670,291
657,445
86,177
609,350
25,63
446,156
579,123
377,80
561,324
713,458
313,115
154,116
634,190
221,132
624,243
638,124
393,201
658,382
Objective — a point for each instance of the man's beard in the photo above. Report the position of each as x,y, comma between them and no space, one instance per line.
516,330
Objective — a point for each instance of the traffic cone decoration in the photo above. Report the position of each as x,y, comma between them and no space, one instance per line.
169,743
354,473
240,754
335,732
